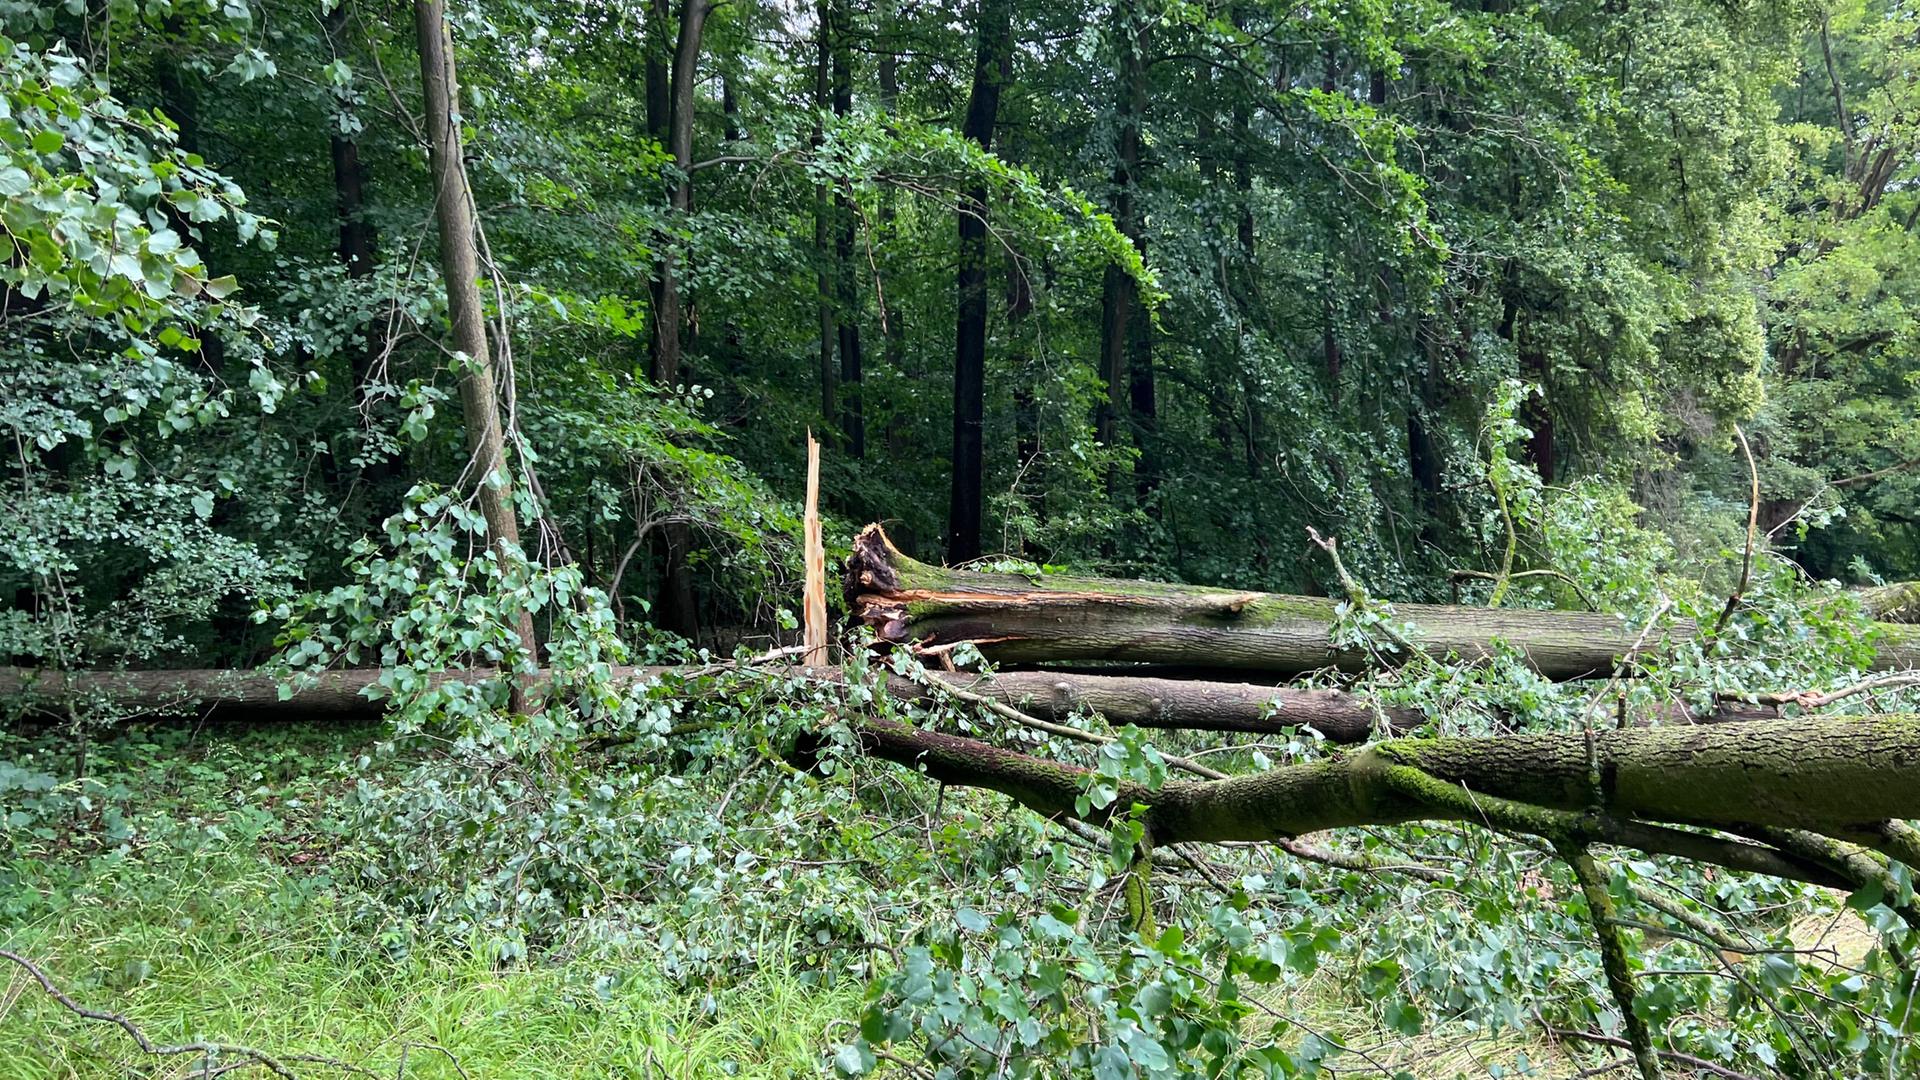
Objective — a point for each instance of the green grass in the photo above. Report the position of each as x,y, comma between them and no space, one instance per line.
237,940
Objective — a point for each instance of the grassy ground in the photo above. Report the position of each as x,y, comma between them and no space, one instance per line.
228,930
218,920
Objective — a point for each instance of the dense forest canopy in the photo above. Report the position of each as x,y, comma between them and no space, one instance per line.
475,346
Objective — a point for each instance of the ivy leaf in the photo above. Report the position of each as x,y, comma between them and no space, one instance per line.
854,1059
1405,1018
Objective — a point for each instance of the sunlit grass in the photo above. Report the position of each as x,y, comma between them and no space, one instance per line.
232,954
238,940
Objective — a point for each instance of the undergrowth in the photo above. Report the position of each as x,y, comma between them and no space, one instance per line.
219,918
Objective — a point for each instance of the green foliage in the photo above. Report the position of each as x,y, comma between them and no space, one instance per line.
1472,287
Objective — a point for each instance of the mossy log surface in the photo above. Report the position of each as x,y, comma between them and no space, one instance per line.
1894,602
1040,618
1836,776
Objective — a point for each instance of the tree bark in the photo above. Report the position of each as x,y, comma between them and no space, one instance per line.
358,245
666,353
853,422
670,105
1168,704
1129,391
1015,619
1834,776
460,268
823,275
1894,602
992,67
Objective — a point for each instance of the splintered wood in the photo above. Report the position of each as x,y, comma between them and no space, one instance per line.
815,607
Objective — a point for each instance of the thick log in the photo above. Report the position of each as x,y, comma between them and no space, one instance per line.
1841,776
1836,776
1894,602
1146,702
1028,619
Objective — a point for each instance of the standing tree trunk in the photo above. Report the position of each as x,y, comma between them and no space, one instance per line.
1119,293
686,58
670,118
894,346
823,273
1026,406
460,267
992,67
358,246
853,423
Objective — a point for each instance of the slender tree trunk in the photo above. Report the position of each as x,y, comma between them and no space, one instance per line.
730,110
894,346
823,275
1026,406
358,246
993,66
1127,390
1536,411
1247,269
460,268
686,58
853,423
658,31
670,104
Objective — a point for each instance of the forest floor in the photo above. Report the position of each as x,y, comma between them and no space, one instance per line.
223,922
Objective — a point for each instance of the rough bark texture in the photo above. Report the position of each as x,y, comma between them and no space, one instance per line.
1145,702
853,421
1016,618
1832,774
993,65
1895,602
1790,784
676,607
460,268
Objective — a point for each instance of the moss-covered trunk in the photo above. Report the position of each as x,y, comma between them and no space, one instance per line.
1838,777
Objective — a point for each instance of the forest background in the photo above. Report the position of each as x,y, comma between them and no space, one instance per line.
1543,305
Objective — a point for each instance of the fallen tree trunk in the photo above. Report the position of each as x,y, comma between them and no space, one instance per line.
1146,702
1027,619
1894,602
1838,777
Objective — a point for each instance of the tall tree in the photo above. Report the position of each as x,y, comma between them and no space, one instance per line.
358,247
676,609
853,423
460,269
992,68
1121,347
668,312
824,271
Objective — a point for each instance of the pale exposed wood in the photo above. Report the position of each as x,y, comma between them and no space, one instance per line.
1048,618
815,629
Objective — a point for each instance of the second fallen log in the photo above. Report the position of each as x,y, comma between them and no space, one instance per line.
1039,618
